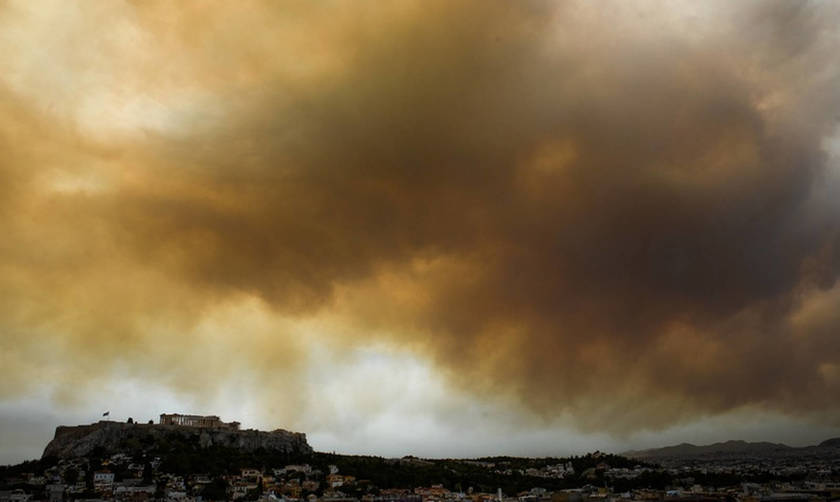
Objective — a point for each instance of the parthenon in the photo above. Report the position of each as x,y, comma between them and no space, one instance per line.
211,421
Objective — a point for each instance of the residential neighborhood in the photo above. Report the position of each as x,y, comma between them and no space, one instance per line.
122,477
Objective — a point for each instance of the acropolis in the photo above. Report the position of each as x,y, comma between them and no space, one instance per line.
211,421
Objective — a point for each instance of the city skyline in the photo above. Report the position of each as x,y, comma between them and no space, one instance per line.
472,228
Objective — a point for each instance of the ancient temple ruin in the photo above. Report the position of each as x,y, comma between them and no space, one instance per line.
211,421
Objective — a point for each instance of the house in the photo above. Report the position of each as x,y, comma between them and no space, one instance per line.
55,492
103,480
251,473
17,495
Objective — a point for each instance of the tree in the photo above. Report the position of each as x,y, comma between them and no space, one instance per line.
130,420
71,475
147,473
217,490
255,493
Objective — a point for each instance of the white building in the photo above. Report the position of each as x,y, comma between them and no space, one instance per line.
103,480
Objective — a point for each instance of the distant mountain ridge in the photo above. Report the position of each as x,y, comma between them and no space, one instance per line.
734,449
830,443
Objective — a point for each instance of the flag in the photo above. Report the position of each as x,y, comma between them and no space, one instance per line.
106,413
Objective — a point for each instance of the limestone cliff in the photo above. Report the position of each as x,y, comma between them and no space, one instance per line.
115,437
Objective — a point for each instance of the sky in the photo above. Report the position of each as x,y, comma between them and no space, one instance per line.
423,227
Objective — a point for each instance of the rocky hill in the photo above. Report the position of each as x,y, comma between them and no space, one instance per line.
830,443
115,437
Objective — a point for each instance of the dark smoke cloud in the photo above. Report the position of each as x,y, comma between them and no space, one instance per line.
615,216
